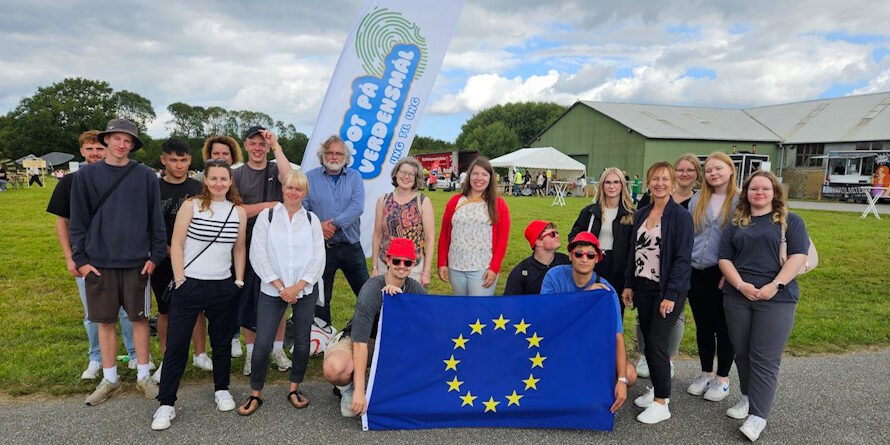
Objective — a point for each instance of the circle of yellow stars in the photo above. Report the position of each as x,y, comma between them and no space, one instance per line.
500,323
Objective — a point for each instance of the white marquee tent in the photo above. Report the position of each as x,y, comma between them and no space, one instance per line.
541,158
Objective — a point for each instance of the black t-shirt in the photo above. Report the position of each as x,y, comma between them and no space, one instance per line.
527,276
172,197
60,201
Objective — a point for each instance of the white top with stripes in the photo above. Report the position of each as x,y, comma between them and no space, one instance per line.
216,262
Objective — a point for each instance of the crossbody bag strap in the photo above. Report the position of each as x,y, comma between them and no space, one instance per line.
266,181
130,168
223,227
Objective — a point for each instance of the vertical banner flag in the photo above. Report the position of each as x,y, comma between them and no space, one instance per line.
380,88
531,361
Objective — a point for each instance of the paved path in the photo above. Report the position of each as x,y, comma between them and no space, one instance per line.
824,399
883,208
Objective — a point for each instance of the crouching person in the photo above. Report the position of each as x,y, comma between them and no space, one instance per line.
346,358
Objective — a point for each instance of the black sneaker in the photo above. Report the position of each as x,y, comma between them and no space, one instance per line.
337,392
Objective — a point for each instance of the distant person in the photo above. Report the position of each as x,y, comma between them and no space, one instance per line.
337,196
117,240
527,276
760,293
636,188
4,177
463,177
34,173
258,182
60,205
405,213
176,187
347,357
474,235
580,276
540,182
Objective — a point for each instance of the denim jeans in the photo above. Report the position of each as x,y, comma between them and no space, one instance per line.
470,283
93,328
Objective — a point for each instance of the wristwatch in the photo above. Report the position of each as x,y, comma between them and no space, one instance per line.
623,380
779,285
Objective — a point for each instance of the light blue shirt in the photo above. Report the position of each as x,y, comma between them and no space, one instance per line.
706,244
559,281
342,201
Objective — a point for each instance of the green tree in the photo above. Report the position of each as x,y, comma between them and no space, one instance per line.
524,120
426,144
187,121
134,107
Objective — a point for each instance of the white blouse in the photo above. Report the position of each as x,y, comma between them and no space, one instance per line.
288,249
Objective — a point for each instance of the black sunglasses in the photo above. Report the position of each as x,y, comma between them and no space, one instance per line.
399,262
590,255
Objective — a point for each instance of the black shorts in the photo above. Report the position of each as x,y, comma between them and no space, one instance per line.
160,278
116,288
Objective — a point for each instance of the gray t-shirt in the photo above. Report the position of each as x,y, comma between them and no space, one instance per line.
250,184
368,304
754,251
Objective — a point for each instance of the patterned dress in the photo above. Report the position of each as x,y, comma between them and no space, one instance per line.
401,221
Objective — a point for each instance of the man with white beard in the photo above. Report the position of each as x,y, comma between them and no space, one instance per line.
337,196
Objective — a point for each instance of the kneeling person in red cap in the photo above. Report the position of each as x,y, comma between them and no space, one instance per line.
585,252
346,358
526,277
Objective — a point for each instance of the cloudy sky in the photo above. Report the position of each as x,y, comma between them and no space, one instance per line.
278,56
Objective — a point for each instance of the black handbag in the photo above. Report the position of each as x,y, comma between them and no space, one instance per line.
167,295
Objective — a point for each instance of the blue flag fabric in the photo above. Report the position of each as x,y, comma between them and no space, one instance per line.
531,361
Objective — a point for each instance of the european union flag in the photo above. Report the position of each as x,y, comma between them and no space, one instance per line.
531,361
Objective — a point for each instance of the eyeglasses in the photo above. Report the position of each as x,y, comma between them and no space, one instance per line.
552,233
335,154
399,262
686,171
403,174
590,255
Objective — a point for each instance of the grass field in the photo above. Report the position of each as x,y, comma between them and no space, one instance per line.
843,306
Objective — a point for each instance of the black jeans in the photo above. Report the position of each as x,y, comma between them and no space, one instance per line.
217,299
656,331
351,259
711,335
270,309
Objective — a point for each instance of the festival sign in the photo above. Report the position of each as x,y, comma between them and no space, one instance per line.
380,88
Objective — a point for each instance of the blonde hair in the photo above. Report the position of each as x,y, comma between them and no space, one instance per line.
742,217
654,168
296,178
624,201
699,214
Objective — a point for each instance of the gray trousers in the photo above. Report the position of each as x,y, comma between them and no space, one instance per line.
759,331
268,315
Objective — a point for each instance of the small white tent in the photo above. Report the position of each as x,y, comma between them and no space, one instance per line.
539,158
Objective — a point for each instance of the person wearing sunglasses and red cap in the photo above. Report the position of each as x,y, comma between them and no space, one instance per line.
346,358
585,252
526,277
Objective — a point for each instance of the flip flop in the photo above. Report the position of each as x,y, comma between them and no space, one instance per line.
297,399
250,403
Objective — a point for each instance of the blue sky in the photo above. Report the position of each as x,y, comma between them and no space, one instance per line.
279,58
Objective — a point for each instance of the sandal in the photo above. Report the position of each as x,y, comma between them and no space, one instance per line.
252,401
297,399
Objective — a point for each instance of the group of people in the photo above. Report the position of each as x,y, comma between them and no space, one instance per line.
235,250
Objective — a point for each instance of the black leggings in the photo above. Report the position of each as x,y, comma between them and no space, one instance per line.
711,335
656,331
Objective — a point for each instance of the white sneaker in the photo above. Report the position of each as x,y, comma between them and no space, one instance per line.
646,399
739,410
157,375
752,427
346,400
643,368
103,391
224,400
132,364
163,416
717,390
236,348
281,360
151,364
699,384
247,357
92,371
149,387
202,361
655,413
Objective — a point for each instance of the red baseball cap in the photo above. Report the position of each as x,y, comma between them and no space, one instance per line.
586,238
401,248
533,231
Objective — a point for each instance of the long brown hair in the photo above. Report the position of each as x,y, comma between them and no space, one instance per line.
742,217
206,196
624,199
490,195
699,214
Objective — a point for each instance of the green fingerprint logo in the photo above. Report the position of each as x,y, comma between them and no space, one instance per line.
378,32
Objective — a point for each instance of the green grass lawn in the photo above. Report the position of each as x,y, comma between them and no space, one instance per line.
843,306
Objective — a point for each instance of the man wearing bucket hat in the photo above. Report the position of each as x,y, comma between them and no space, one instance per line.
584,252
526,277
347,357
117,238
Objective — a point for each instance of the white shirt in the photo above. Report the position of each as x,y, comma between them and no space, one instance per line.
606,237
289,250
